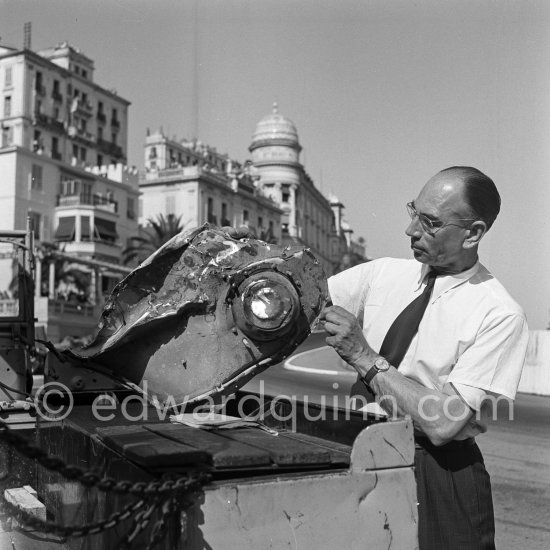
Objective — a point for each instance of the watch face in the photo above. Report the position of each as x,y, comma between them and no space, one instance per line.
382,364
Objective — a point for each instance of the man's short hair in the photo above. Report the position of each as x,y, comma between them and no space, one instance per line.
480,193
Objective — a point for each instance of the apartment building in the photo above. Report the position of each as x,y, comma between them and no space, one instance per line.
193,180
63,148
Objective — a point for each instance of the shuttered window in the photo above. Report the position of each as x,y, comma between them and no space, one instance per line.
65,229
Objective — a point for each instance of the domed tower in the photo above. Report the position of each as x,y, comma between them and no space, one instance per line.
276,157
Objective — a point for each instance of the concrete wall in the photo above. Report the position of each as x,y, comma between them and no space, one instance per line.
536,373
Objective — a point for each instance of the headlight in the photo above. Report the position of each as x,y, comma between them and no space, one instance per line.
266,305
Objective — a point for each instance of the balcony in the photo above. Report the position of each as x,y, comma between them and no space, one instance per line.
115,123
56,155
82,108
86,199
40,89
57,97
101,117
48,122
81,135
110,148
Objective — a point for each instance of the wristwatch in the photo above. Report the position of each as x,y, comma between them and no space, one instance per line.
380,365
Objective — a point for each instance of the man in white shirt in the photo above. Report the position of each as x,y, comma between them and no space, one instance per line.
470,345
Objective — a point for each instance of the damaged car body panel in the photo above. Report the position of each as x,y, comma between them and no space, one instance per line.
205,313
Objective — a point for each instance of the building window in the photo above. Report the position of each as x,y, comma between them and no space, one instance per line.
100,160
210,216
224,220
7,136
8,77
84,73
170,205
35,218
37,142
245,216
83,154
38,82
75,152
65,230
105,230
55,148
131,208
260,222
7,106
36,177
113,137
85,234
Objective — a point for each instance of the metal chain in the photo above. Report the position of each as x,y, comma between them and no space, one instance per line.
159,529
192,482
46,526
165,491
140,522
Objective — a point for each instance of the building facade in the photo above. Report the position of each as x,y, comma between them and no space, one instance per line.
63,147
309,218
194,181
272,192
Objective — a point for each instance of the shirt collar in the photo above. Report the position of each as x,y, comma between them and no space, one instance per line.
444,283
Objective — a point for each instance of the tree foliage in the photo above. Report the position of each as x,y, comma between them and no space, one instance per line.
157,231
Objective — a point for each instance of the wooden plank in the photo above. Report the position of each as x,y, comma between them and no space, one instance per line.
283,451
223,452
148,449
339,453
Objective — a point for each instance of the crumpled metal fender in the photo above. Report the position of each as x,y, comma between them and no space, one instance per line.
205,313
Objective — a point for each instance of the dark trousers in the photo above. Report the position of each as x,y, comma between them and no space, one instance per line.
455,505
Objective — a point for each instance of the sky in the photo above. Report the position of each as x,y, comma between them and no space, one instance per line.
384,94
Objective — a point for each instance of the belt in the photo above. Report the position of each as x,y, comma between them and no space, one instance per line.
452,446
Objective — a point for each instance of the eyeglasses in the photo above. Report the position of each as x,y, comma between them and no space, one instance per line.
432,226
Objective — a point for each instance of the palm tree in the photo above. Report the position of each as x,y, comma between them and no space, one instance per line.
151,237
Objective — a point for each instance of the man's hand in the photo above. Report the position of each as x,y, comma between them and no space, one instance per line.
346,336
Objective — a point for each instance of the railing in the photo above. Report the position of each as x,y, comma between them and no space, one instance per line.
48,122
83,108
40,89
82,135
101,117
86,199
56,96
115,123
56,155
110,148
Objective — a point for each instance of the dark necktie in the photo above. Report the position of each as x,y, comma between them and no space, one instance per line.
399,335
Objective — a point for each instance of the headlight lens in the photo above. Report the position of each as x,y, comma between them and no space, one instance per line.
267,306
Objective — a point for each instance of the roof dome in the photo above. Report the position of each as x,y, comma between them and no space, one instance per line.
275,129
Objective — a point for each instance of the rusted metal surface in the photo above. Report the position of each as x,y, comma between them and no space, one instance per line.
205,313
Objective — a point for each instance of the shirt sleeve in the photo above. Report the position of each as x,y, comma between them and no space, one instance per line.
494,362
349,288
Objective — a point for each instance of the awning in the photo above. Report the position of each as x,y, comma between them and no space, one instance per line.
105,229
65,229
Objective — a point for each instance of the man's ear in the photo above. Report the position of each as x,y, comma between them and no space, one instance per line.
475,234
